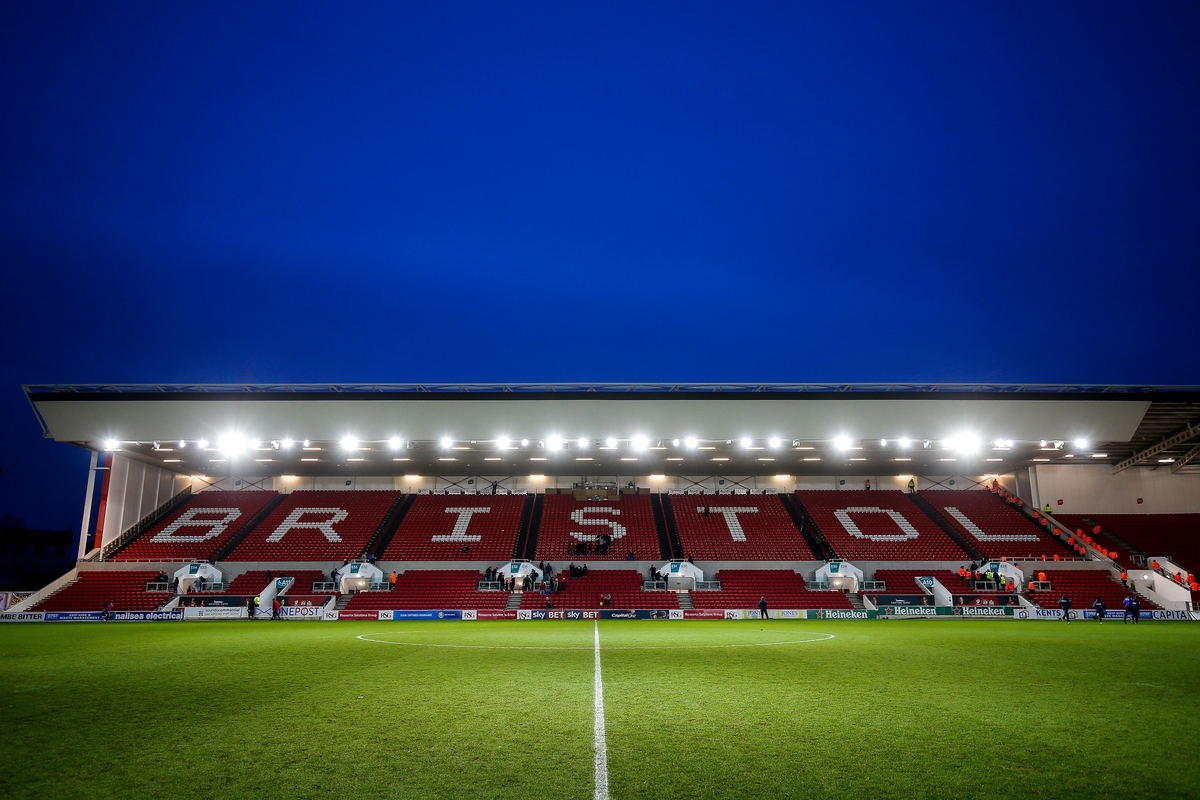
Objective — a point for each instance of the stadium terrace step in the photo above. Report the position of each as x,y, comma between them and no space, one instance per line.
343,601
685,600
930,511
387,527
660,525
808,529
672,527
222,552
513,603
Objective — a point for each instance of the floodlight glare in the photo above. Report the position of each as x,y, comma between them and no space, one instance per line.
774,442
966,443
1008,442
905,443
842,442
691,442
524,443
202,444
1081,443
675,442
111,444
447,441
610,442
554,443
502,442
639,442
182,444
350,443
395,443
582,442
306,443
883,442
232,443
746,441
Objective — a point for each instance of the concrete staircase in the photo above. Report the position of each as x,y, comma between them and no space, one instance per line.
514,601
685,600
343,601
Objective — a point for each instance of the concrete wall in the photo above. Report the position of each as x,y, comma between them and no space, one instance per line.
1093,489
136,488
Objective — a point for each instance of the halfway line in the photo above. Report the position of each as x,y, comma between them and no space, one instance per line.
600,743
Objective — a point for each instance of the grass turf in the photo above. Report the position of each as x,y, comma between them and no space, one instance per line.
884,709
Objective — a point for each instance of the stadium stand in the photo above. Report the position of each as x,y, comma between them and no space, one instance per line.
438,527
878,526
624,585
316,526
1076,523
759,530
784,589
996,527
1173,536
198,528
567,522
254,581
91,590
1083,587
431,589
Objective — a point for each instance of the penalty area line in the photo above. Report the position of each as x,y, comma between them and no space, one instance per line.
600,742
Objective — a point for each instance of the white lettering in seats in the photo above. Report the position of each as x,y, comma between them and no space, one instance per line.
325,526
459,534
188,520
843,515
978,533
731,521
618,530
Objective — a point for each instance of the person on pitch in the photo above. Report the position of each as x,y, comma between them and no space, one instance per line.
762,606
1098,607
1064,603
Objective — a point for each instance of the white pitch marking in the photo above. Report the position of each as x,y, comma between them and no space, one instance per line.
600,744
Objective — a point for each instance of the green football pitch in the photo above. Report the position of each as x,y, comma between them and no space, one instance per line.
895,708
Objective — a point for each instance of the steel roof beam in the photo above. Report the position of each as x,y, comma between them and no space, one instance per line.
1187,458
1174,440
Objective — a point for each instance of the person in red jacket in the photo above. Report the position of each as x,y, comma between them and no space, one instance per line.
275,608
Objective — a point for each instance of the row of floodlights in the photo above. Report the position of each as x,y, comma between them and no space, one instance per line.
963,443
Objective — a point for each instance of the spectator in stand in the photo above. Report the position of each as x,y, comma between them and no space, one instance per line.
1136,608
868,484
371,558
1064,603
762,606
1128,609
629,556
392,579
1125,579
175,586
1098,607
1047,509
912,486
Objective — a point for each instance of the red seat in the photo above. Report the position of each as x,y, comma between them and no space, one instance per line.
760,530
437,527
198,528
92,590
1083,586
432,589
630,521
625,586
996,527
317,526
783,589
878,526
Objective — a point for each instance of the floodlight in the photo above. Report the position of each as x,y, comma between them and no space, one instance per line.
111,444
583,442
350,443
842,442
447,441
675,442
524,443
610,442
202,444
774,442
691,442
554,443
306,443
905,442
182,444
1008,442
395,443
286,444
639,442
1081,443
502,442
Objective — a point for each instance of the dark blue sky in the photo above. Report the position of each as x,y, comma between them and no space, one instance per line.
510,192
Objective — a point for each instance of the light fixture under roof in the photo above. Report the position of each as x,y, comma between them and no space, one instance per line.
747,442
905,442
349,443
1081,444
111,444
583,443
639,442
447,441
774,442
503,442
524,443
842,442
675,443
690,442
554,443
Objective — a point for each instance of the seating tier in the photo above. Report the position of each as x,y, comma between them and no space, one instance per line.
431,589
783,589
1173,536
317,526
759,530
625,586
1083,587
567,522
198,528
995,526
878,526
92,590
438,527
